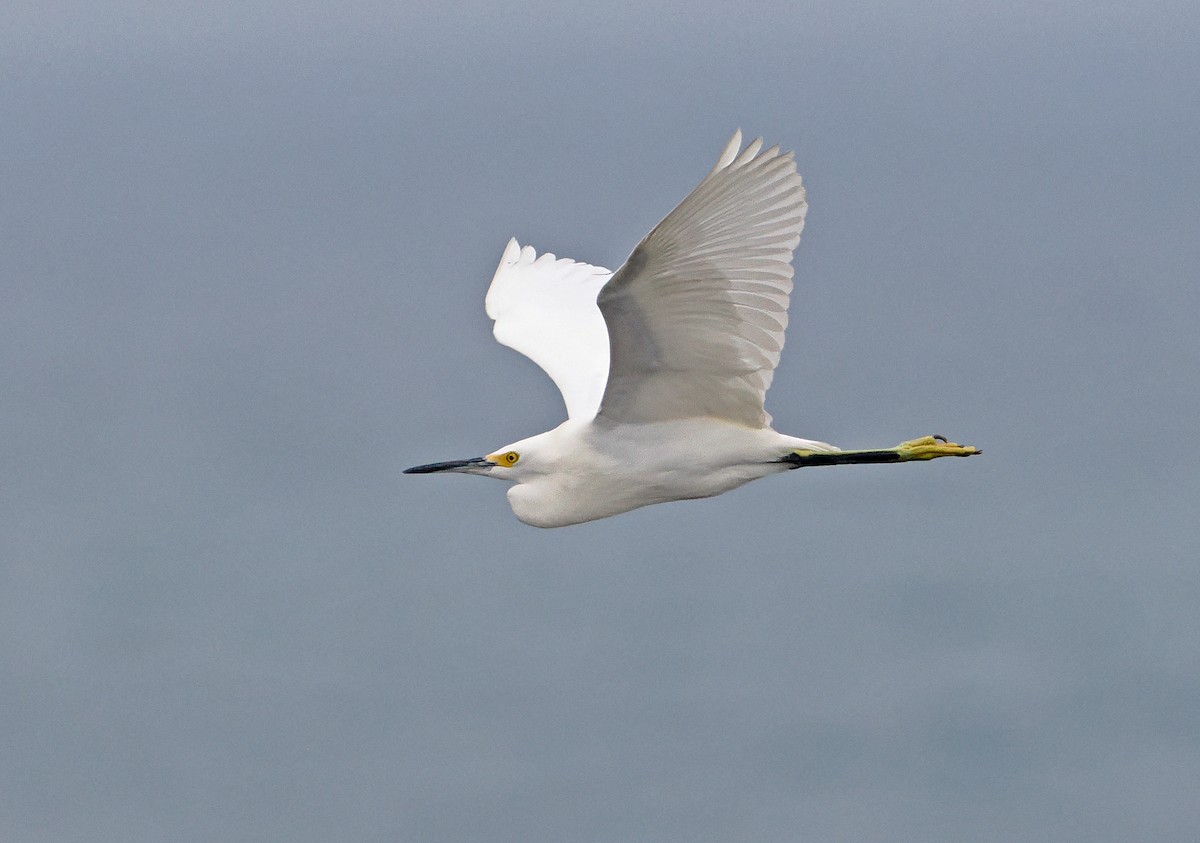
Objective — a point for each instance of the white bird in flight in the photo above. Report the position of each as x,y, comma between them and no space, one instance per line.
664,364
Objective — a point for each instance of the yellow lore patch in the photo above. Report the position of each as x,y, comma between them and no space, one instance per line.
506,460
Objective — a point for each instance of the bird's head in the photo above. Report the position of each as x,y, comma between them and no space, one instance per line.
508,463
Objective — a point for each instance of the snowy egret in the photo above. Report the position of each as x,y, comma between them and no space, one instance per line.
663,365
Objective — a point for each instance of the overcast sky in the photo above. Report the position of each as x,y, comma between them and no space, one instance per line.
243,253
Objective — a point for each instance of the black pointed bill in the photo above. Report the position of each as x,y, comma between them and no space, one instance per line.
473,464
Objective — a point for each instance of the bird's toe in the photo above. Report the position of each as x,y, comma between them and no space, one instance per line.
932,447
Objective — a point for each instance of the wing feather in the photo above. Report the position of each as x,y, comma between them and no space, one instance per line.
545,308
696,316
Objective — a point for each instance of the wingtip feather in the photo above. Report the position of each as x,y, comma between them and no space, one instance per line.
749,152
730,151
511,251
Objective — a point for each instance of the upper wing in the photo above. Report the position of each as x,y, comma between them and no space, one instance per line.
546,309
696,315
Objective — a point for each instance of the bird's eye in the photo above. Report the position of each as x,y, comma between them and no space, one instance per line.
511,458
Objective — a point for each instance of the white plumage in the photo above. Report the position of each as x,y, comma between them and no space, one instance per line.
546,309
664,364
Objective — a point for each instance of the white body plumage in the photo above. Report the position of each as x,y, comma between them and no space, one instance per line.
589,470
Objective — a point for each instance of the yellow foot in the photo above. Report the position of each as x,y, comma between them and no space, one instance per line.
932,447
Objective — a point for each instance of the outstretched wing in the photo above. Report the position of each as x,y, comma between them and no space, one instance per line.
546,309
696,315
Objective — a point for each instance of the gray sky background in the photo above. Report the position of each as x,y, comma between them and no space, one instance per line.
243,255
